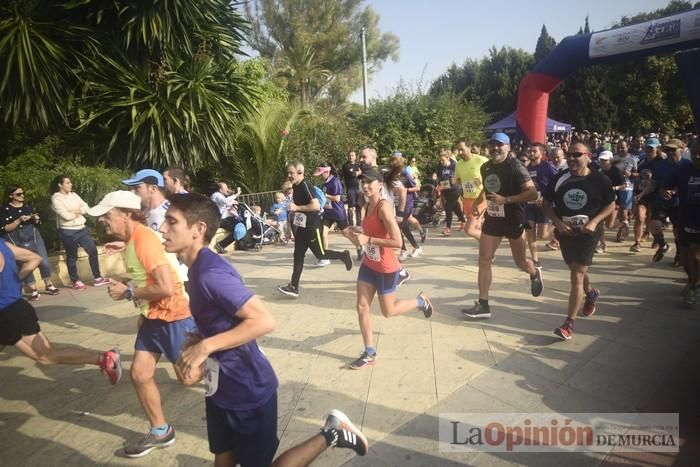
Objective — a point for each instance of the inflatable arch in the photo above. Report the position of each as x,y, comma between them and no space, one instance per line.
663,35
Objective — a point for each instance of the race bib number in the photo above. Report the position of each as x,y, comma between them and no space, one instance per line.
327,205
373,252
469,187
211,376
300,219
445,184
495,210
575,222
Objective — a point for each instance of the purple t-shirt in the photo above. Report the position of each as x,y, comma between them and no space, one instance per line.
541,174
334,209
246,377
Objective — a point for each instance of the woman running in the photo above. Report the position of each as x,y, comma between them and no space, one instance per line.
379,272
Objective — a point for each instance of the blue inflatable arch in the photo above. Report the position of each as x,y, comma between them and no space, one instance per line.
663,35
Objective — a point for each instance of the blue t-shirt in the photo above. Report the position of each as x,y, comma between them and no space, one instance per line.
334,209
246,377
282,216
541,174
660,172
10,287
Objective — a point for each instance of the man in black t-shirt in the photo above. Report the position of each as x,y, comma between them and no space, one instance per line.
577,201
350,173
507,187
307,219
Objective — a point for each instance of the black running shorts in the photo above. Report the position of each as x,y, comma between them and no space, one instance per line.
16,321
578,249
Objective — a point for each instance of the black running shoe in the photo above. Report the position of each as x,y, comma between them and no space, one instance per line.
341,433
423,234
660,252
289,290
150,442
403,279
427,309
479,311
347,259
536,284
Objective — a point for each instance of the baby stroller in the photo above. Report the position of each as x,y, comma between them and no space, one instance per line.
425,207
258,232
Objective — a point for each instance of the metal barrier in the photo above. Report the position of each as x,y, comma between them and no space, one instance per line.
264,199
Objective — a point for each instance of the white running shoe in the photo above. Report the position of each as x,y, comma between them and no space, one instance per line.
416,252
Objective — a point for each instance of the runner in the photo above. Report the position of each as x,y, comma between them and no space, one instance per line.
645,199
578,201
541,172
158,295
176,181
468,174
241,385
307,218
444,176
507,186
19,325
626,163
333,211
379,273
350,171
617,180
398,173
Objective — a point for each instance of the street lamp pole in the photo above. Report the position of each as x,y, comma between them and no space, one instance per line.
364,67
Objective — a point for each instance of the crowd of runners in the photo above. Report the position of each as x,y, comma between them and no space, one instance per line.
194,307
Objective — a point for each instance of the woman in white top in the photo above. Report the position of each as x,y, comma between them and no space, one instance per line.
69,209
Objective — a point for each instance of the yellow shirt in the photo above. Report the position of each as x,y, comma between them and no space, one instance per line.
468,174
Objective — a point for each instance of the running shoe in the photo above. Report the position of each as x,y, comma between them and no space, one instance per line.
51,290
423,234
347,259
219,249
99,281
565,331
34,296
479,311
416,252
446,232
537,263
660,252
427,308
78,285
403,278
340,432
553,245
323,262
403,256
636,248
536,283
589,307
364,360
150,442
289,290
110,363
691,297
599,250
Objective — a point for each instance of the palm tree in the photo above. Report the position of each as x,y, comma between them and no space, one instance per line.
307,76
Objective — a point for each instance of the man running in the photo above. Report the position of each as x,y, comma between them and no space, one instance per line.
19,325
540,172
350,173
158,295
645,199
444,176
507,186
307,219
148,184
176,181
333,211
578,201
626,163
468,173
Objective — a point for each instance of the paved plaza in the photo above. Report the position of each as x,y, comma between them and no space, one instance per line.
618,360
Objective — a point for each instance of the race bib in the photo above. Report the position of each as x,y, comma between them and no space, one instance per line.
373,252
300,219
445,184
211,376
327,205
469,187
575,222
495,210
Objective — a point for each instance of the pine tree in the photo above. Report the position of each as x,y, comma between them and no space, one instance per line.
545,44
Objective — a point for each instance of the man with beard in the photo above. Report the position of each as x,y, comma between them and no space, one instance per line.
507,187
577,201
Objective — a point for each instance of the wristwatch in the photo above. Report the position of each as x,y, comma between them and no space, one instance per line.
129,293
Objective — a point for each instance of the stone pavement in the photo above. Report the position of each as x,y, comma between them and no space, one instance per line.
616,361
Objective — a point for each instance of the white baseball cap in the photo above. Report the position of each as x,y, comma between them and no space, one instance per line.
115,199
605,156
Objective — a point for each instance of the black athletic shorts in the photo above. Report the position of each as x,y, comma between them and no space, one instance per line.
341,224
354,197
685,238
503,229
578,249
16,321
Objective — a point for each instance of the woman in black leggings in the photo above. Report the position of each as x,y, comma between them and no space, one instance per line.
397,172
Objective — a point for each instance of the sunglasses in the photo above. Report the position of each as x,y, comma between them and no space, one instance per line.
21,193
576,155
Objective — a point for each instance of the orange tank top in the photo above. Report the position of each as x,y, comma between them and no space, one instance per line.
378,258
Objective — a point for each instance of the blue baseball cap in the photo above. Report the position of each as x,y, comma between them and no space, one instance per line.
500,137
652,142
150,176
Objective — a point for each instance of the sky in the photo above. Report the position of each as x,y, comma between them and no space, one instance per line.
434,34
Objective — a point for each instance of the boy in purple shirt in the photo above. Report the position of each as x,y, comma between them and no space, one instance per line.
241,386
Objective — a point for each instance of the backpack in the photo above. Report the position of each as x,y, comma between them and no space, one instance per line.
320,195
